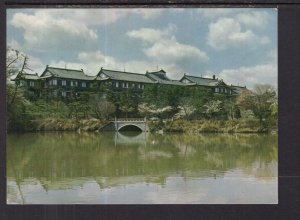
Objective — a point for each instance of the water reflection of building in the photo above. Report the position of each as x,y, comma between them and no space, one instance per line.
143,158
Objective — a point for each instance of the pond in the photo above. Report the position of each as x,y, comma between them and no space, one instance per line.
141,168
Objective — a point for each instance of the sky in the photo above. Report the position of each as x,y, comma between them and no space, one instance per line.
238,45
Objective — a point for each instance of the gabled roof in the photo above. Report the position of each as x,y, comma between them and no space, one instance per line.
25,76
30,76
202,81
65,73
238,89
164,80
124,76
161,74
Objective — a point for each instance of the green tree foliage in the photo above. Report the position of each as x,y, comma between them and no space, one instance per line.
101,107
236,112
259,101
17,120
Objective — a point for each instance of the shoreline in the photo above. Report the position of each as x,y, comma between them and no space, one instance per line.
164,126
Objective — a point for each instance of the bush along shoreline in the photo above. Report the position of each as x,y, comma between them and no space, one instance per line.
165,126
214,126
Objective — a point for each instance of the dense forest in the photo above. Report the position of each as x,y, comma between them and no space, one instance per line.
166,105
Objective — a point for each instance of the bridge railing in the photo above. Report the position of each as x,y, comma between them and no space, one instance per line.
130,119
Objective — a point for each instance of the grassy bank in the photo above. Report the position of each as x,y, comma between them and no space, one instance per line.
54,124
201,126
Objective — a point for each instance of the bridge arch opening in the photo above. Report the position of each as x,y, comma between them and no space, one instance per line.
130,128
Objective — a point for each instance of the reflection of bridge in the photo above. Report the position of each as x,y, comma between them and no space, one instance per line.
126,124
130,138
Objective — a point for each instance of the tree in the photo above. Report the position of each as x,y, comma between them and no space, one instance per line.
186,108
16,64
259,101
127,109
212,107
101,107
16,117
146,109
236,112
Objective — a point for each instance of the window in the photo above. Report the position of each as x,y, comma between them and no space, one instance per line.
230,92
117,84
54,82
73,83
216,89
31,83
63,82
63,94
126,85
142,86
133,85
83,84
225,90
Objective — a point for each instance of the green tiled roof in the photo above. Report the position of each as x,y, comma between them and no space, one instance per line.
201,81
238,89
164,80
30,76
65,73
25,76
124,76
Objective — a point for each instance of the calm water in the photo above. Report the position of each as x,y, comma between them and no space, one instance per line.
122,168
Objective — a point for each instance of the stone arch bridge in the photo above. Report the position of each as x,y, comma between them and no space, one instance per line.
126,124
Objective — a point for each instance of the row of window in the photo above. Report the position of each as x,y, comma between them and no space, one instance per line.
66,94
126,85
223,90
53,82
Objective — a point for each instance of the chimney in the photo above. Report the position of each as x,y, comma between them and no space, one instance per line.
214,76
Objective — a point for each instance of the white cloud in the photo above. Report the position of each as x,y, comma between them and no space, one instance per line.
35,64
161,45
246,16
42,31
91,62
70,29
149,35
254,19
227,32
14,44
258,74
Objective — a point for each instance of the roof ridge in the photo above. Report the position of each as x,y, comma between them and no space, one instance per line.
200,77
81,70
141,74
